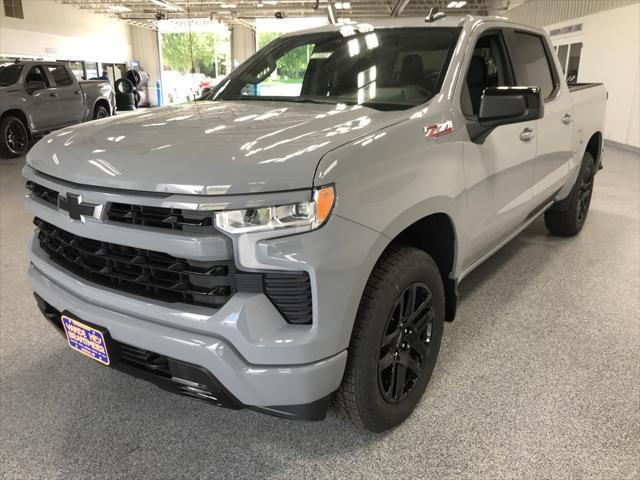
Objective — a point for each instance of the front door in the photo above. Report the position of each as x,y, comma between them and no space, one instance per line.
499,171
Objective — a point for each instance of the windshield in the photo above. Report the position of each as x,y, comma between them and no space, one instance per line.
387,68
9,73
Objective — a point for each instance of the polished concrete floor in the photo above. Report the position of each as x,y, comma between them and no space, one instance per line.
537,377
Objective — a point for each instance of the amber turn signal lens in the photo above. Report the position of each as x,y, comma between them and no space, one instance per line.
325,198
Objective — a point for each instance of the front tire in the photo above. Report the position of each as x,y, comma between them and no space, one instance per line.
568,221
395,340
14,137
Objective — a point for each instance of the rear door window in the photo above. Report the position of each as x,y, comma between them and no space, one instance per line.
60,75
533,58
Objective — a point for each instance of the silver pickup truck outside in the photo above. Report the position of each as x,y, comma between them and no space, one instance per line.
287,245
38,97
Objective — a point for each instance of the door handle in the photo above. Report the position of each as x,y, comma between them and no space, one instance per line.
53,94
566,119
527,134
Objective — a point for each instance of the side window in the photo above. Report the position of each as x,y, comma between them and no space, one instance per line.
36,79
533,57
60,75
489,67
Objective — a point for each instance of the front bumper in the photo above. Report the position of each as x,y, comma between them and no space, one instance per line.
184,378
262,387
246,345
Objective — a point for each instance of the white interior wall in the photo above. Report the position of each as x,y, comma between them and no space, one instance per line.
611,54
55,31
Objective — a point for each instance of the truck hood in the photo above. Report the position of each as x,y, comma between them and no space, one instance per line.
208,148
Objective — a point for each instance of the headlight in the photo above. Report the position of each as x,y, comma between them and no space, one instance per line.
311,214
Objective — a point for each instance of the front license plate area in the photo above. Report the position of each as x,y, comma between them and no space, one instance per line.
86,339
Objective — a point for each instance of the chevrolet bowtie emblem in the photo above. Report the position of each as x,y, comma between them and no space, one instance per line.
79,210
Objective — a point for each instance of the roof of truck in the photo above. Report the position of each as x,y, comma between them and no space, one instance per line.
404,22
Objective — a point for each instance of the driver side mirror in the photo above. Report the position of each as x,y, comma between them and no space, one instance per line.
35,85
503,106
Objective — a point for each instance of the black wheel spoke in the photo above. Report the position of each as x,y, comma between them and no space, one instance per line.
385,362
388,339
425,319
401,378
419,346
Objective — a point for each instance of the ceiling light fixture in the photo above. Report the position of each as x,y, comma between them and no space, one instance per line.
259,5
119,9
167,5
228,5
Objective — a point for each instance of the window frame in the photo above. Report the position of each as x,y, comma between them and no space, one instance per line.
43,71
509,65
518,64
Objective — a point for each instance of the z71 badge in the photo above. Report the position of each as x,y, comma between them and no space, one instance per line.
438,129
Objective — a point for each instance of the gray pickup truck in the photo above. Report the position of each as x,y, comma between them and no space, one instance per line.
288,243
38,97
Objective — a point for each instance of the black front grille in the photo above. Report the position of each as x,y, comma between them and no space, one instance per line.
164,277
138,271
160,217
47,194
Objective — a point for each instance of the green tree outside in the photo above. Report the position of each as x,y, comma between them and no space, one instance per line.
206,47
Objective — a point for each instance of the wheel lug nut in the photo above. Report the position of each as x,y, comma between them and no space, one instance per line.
396,355
404,345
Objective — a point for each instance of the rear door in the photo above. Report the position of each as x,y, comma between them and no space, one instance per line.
499,171
68,93
555,131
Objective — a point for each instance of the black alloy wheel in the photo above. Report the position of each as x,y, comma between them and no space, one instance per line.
15,137
395,340
405,343
568,216
584,194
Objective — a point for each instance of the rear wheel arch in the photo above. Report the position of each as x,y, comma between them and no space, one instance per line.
101,102
594,147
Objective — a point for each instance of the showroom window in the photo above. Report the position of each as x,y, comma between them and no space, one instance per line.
569,56
13,8
533,58
60,75
91,70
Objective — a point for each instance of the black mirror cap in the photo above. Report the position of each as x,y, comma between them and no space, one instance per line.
503,106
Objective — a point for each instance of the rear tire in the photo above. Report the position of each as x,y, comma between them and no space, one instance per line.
100,112
568,221
395,341
14,137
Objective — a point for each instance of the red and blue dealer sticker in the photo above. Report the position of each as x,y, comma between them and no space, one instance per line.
86,340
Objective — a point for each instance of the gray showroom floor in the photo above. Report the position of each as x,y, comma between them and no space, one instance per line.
537,377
